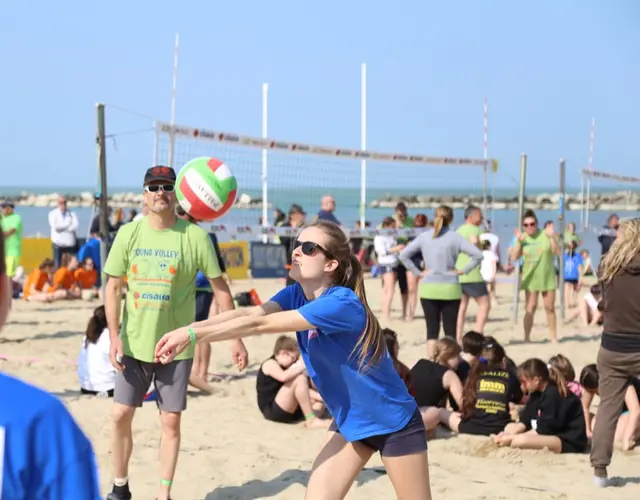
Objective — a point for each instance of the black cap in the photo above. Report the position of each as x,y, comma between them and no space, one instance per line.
296,209
6,204
160,173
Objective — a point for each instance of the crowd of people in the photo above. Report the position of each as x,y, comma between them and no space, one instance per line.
343,371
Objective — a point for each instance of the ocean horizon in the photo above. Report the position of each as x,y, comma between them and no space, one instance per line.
35,219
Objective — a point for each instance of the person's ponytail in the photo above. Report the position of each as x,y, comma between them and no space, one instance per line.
371,344
438,224
557,378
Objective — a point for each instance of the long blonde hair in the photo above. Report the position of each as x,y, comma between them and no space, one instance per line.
442,218
625,247
371,343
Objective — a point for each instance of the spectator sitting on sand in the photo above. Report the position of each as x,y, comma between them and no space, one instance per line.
282,384
38,281
96,375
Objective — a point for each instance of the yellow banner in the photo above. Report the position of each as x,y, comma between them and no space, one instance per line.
236,258
34,251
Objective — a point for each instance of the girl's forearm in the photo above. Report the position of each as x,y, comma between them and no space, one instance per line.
234,327
224,316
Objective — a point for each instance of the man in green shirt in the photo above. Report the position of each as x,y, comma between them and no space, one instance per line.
11,224
473,285
160,256
403,221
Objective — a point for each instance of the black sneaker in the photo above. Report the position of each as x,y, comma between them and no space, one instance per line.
119,493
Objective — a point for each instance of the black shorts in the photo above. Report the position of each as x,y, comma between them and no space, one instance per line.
87,392
401,276
274,413
476,428
475,290
571,282
203,304
409,440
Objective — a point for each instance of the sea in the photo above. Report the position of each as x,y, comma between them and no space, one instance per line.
35,222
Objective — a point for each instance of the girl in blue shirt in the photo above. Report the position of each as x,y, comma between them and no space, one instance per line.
44,455
344,351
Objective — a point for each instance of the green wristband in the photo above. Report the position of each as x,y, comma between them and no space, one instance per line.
166,482
192,336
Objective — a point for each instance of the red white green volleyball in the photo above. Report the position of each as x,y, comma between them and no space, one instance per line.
206,189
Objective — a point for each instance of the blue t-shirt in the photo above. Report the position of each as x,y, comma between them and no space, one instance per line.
46,456
571,270
364,402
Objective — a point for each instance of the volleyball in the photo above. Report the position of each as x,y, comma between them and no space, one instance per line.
206,188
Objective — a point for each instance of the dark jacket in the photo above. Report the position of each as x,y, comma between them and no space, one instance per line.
621,308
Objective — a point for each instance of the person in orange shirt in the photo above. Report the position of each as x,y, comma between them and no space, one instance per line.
86,278
64,284
36,284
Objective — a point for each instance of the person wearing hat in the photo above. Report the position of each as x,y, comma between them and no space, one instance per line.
160,256
296,219
11,224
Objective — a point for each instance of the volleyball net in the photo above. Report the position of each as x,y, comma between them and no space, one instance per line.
609,196
366,185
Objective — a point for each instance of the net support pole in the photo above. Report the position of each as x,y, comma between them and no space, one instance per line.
363,144
581,201
174,95
523,180
265,161
156,143
588,201
102,168
561,228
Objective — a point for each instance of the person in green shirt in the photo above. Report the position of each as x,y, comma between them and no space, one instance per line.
403,221
11,224
159,255
473,285
538,250
571,236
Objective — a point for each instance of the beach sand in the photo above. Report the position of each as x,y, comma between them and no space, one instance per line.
229,452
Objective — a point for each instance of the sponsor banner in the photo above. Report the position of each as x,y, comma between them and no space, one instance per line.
236,258
268,260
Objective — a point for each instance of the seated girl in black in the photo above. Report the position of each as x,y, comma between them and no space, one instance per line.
433,381
486,396
628,426
283,388
553,416
391,339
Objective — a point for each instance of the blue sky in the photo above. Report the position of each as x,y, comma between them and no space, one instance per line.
547,68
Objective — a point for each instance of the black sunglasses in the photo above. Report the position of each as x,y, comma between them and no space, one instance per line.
309,247
154,188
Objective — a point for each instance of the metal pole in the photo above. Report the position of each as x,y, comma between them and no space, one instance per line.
561,228
581,201
174,95
523,180
363,144
265,161
102,167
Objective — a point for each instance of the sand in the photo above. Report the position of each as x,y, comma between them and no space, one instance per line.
229,452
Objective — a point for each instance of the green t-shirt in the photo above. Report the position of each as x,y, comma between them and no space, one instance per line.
161,269
468,231
408,223
569,237
538,271
12,244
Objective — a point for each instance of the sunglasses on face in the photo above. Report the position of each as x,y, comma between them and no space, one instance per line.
529,224
309,247
154,188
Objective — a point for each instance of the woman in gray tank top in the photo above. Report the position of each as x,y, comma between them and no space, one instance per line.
440,290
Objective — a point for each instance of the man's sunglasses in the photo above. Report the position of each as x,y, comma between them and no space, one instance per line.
529,224
309,247
154,188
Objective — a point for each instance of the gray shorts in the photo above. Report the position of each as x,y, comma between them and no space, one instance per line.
475,290
170,381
